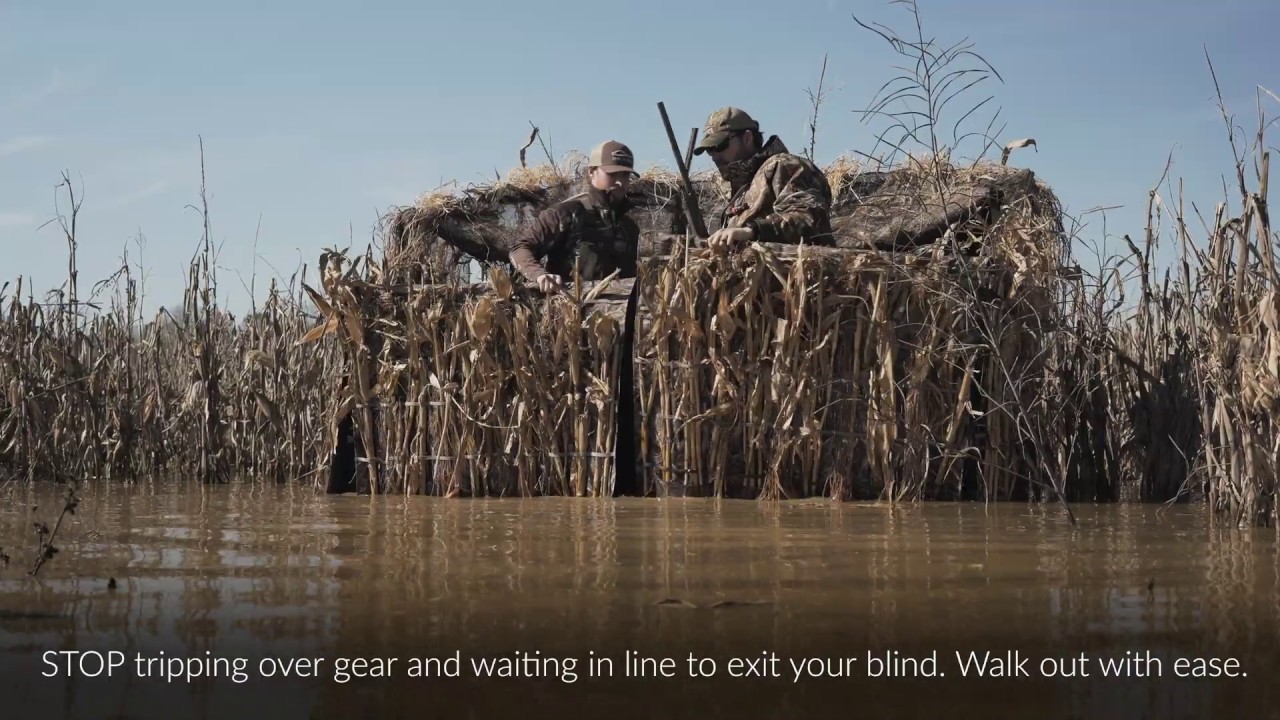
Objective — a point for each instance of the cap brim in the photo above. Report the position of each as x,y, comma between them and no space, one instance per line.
710,141
619,168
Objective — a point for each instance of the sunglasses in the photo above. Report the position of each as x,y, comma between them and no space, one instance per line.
723,144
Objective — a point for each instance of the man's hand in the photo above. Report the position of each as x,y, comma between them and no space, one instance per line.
731,237
550,282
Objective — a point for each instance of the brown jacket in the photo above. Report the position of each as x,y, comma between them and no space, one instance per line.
784,197
585,227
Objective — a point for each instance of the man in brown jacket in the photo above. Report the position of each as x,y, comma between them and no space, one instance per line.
591,227
775,196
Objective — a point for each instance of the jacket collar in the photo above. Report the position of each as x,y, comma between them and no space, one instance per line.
740,173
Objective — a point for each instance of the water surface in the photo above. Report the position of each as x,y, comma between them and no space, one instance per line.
254,570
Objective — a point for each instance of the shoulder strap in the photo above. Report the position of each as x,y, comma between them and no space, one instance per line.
573,207
573,199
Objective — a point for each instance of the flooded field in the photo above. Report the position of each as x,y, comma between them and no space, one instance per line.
260,571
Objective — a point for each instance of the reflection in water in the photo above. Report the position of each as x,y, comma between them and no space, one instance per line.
253,571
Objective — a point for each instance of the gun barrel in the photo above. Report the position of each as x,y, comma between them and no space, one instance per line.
690,198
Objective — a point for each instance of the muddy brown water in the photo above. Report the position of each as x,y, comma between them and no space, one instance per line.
254,573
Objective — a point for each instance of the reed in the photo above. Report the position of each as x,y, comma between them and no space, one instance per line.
95,389
955,344
479,389
793,371
779,372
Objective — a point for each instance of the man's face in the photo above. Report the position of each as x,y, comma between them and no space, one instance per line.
736,148
615,184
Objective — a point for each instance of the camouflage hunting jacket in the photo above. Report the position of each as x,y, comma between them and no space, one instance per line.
585,228
785,197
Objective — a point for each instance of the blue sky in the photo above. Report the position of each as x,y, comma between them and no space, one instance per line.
318,116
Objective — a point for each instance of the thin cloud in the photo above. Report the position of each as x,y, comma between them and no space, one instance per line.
23,143
13,219
59,82
138,195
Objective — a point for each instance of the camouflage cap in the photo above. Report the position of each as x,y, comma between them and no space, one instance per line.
723,123
612,156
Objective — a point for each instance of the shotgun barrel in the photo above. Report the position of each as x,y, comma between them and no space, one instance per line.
691,210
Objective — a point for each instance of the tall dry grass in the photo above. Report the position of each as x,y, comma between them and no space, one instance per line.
768,374
1201,348
479,389
782,372
96,389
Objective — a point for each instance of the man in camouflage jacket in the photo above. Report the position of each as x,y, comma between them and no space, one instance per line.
775,196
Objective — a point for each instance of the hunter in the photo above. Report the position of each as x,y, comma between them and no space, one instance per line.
775,196
594,230
591,227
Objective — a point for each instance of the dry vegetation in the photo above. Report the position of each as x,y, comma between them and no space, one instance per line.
955,346
855,372
1002,372
98,390
480,390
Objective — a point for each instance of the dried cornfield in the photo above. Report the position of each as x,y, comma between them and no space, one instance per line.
952,346
105,392
121,400
479,390
851,374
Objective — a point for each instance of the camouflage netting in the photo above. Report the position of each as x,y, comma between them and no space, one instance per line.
427,241
904,207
